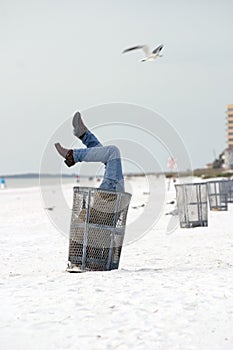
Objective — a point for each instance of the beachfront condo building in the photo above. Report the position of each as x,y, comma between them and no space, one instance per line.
230,126
228,153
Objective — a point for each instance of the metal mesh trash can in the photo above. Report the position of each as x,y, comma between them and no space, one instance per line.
97,229
230,191
218,195
192,204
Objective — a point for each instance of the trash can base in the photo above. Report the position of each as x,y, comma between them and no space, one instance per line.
194,224
73,268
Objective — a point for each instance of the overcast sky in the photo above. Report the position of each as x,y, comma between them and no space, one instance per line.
58,56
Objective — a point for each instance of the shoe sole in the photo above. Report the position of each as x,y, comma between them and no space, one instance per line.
76,119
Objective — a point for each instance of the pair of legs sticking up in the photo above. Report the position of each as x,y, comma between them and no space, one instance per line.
95,152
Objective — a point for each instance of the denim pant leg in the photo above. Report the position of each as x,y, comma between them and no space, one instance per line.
110,156
90,140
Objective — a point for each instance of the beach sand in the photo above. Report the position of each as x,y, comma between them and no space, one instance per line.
172,291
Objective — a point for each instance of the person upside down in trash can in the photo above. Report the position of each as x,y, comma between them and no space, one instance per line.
103,207
95,152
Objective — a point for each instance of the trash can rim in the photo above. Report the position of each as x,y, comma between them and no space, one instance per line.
77,188
217,181
191,184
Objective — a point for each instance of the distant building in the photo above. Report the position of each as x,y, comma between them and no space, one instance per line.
230,126
228,153
209,165
225,159
228,158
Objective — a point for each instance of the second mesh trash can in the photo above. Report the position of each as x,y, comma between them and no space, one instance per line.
97,229
192,204
230,191
218,194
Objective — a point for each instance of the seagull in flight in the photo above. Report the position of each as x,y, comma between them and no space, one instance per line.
149,56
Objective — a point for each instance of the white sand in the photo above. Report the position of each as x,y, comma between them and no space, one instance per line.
171,291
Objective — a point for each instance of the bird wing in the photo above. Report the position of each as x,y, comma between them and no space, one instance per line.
158,49
146,50
143,47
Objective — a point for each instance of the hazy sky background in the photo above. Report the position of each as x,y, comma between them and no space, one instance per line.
58,56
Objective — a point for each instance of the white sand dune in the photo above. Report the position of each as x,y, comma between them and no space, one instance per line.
172,291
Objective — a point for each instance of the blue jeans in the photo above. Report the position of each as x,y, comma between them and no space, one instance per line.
109,155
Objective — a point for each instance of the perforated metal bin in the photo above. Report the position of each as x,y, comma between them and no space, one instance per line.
97,229
192,204
230,191
218,194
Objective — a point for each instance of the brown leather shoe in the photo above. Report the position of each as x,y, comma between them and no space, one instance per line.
70,158
66,153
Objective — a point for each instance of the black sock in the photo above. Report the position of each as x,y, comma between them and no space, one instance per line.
82,136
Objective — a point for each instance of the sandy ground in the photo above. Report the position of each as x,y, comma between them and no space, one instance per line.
172,291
